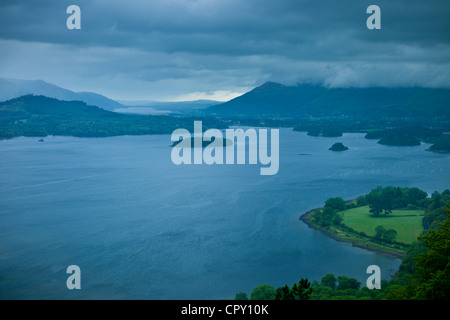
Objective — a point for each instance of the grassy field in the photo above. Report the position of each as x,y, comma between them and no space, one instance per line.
407,223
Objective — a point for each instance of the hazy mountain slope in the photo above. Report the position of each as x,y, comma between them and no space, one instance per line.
13,88
275,100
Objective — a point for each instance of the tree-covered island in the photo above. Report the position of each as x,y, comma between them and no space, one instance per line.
338,146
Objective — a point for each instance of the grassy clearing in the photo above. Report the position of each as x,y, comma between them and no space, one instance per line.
407,223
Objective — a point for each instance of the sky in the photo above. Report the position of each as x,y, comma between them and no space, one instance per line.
177,50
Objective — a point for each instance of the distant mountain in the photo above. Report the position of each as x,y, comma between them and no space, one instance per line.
303,101
13,88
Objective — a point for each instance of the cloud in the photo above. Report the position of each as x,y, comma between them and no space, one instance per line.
164,49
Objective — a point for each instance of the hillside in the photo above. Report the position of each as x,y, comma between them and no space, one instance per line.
13,88
274,100
41,116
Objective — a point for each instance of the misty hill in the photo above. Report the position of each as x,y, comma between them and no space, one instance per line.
272,100
41,116
13,88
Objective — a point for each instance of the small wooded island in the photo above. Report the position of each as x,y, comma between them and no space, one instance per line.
338,146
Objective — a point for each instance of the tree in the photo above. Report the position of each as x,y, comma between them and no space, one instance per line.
263,292
337,219
390,235
284,293
241,296
337,203
329,280
379,232
376,207
302,290
347,283
433,266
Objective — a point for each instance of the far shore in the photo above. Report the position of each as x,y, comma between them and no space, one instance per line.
306,218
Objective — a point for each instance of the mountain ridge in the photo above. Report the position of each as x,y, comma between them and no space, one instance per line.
13,88
272,99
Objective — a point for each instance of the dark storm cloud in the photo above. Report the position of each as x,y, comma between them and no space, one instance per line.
207,45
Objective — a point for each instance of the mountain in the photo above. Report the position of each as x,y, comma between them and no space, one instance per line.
274,100
39,116
13,88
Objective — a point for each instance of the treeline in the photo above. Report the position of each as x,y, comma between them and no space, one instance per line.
424,273
412,136
398,134
39,116
384,200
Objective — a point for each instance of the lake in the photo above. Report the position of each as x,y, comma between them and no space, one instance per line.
140,227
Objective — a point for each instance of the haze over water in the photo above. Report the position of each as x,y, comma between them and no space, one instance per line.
140,227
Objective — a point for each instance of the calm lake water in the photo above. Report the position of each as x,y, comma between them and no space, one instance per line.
140,227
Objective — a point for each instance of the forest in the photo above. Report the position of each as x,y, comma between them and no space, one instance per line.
39,116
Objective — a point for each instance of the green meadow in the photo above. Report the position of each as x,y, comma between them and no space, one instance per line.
407,223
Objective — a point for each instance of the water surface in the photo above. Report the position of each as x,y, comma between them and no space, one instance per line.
140,227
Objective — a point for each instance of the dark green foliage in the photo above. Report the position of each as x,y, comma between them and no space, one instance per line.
39,116
284,293
389,198
379,232
329,214
299,291
433,266
338,146
329,280
347,283
263,292
399,140
241,296
385,235
336,203
441,144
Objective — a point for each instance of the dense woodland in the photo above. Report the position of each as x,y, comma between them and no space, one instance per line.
39,116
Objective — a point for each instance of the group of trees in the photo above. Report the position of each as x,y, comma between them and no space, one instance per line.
329,214
412,136
299,291
424,274
384,200
388,235
381,202
39,116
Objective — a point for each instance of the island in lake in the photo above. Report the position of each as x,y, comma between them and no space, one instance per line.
338,146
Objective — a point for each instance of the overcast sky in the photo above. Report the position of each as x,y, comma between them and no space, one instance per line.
217,49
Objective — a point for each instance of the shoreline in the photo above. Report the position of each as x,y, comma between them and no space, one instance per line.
305,218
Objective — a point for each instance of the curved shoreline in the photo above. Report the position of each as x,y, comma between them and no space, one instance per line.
306,219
